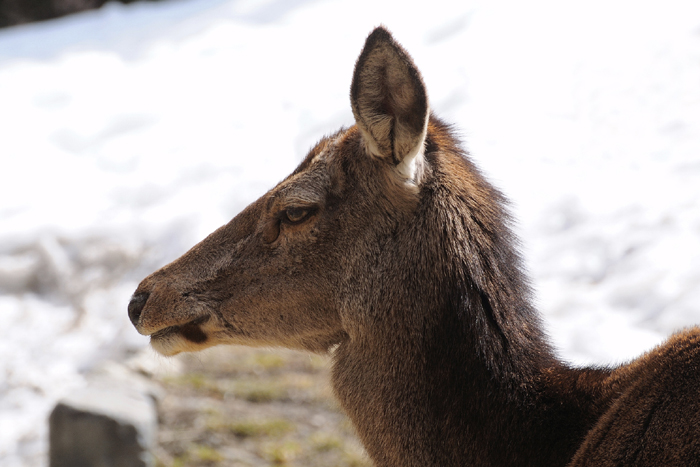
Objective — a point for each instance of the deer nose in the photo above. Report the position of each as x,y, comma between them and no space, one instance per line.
136,304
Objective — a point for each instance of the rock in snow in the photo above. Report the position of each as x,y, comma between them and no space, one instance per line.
111,422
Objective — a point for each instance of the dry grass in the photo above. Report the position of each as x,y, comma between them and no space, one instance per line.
236,406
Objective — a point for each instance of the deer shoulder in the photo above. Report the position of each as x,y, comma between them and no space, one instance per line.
654,418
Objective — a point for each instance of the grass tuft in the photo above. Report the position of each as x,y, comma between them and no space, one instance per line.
281,453
206,453
259,391
268,361
323,442
273,428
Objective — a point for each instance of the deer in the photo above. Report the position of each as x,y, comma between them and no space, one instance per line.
389,250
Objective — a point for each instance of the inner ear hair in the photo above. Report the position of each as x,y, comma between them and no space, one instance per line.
389,102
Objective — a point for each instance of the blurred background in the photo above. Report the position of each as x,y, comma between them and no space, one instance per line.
129,132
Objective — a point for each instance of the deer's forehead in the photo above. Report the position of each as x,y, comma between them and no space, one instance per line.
333,147
328,148
338,163
303,188
319,173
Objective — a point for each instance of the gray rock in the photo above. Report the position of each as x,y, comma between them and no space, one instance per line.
107,424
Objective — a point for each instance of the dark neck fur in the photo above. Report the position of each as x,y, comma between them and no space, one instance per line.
458,370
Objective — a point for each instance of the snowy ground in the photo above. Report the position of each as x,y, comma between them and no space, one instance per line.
128,133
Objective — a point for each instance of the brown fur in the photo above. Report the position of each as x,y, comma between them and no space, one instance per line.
408,275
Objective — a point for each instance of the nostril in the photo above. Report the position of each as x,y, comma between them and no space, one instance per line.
136,304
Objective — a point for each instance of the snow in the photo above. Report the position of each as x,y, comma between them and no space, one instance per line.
130,132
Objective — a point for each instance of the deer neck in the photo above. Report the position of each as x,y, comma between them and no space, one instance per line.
453,368
435,402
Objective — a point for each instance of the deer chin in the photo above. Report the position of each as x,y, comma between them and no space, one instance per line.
189,337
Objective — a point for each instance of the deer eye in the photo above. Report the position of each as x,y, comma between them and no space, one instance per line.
296,215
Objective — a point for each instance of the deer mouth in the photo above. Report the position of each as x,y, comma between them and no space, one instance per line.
191,331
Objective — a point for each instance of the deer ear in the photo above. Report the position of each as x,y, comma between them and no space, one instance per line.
389,102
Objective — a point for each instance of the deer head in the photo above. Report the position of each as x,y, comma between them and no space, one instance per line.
295,266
